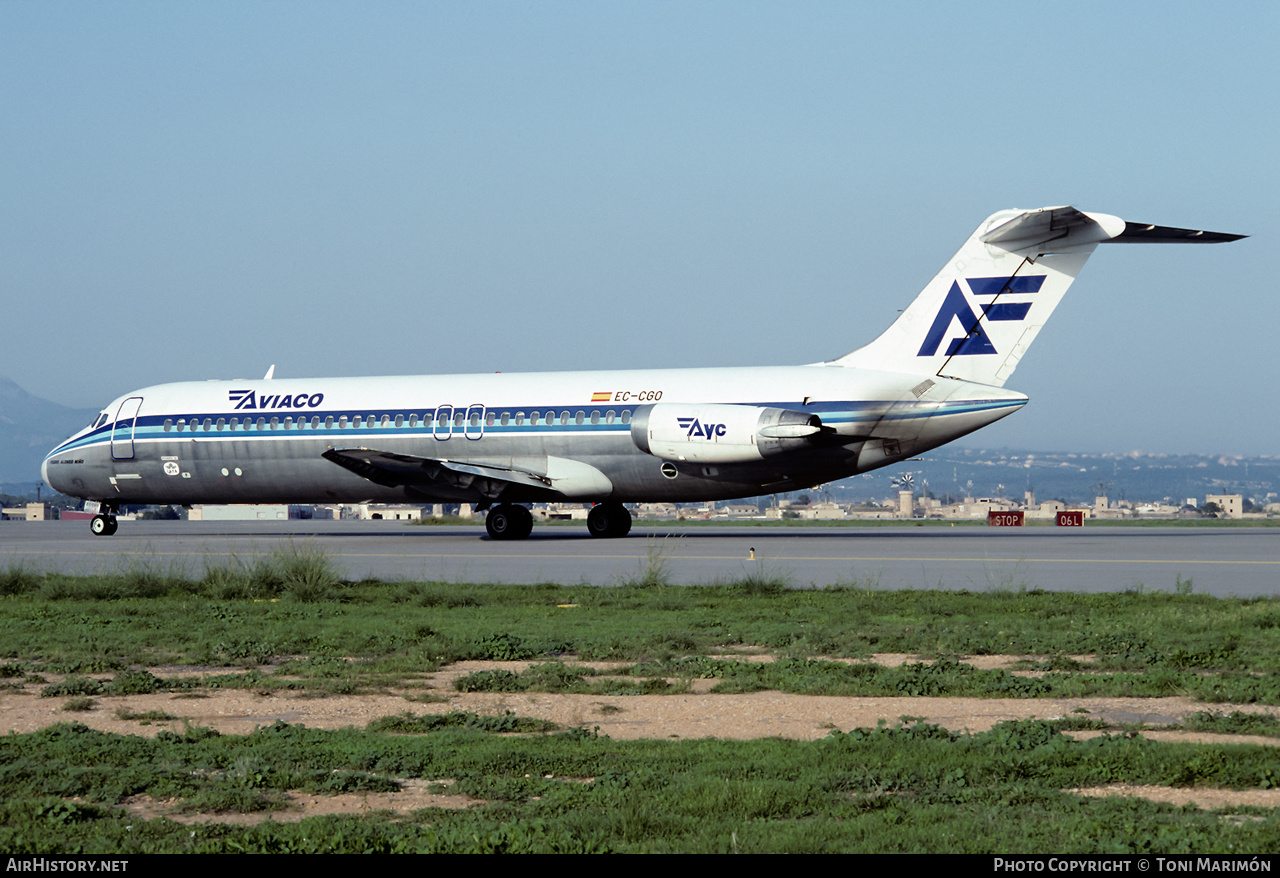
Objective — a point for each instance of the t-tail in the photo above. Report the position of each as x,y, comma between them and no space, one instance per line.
977,317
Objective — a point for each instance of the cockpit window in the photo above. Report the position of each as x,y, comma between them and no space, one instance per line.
102,419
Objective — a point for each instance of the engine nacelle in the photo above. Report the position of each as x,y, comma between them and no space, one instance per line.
717,433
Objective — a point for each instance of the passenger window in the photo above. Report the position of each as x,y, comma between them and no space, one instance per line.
221,423
168,424
342,422
506,418
328,422
626,416
386,421
275,422
488,419
475,419
262,423
608,416
533,418
208,423
399,420
413,420
564,418
579,417
595,417
235,422
427,419
182,424
288,423
315,422
519,419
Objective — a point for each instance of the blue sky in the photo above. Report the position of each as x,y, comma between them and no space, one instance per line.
200,190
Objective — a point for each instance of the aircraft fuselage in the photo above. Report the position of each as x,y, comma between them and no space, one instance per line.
264,441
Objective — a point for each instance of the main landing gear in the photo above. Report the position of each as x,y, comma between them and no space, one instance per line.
508,521
104,523
608,520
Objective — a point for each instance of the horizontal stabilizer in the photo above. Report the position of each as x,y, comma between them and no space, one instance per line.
1142,233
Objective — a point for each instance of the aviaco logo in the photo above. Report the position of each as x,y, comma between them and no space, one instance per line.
956,306
697,430
247,399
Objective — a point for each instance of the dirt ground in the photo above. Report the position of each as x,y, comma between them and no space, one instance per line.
697,714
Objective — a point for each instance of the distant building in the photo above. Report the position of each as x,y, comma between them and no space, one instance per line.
240,512
30,512
906,504
822,511
1232,505
261,512
394,513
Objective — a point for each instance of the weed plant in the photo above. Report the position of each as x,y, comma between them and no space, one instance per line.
655,570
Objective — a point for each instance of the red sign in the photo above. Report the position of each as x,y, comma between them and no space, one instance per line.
1070,518
1005,519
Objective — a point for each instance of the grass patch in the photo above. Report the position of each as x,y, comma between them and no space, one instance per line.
143,717
331,636
1235,723
909,787
409,723
299,570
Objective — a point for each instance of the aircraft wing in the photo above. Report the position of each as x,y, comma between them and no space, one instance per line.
406,470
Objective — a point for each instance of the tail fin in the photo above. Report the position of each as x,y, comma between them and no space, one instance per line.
977,317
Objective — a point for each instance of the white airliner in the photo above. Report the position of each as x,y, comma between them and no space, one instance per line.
608,438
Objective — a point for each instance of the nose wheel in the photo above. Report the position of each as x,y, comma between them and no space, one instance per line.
103,525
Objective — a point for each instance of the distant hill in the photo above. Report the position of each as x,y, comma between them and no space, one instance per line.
1077,478
29,428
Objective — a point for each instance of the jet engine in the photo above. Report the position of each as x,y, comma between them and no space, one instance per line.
717,433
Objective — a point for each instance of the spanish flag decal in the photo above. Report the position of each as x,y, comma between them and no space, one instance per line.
602,397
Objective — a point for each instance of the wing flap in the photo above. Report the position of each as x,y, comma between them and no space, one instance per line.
393,470
548,478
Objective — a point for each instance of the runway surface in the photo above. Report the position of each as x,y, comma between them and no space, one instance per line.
1220,561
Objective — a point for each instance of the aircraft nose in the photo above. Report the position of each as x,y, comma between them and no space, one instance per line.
57,476
44,474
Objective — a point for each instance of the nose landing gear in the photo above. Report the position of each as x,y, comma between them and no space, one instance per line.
104,523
